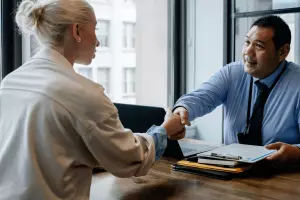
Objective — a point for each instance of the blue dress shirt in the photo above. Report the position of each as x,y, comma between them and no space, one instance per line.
159,136
230,87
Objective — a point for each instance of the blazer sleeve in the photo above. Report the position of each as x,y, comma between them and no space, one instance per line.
118,150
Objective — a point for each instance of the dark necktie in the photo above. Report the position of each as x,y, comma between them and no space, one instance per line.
255,126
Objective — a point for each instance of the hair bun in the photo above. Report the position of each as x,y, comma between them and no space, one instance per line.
29,15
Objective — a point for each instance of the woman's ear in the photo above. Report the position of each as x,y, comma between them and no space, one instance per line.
284,52
76,34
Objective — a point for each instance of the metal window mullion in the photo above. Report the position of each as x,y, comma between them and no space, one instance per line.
266,12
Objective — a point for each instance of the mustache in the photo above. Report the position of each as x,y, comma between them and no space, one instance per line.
249,59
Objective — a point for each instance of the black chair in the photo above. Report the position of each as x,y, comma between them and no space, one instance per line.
140,118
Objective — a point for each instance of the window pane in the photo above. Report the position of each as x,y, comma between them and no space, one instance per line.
258,5
129,80
129,36
103,78
124,26
86,72
129,1
102,31
243,26
134,25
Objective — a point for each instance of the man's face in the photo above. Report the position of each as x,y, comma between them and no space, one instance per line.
259,53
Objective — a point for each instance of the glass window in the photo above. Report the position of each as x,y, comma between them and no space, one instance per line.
243,25
116,30
129,80
102,31
205,55
258,5
87,72
129,36
103,78
129,1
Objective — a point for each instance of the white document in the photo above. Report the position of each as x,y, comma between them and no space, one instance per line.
239,152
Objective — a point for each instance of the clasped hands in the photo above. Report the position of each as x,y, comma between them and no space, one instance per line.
175,123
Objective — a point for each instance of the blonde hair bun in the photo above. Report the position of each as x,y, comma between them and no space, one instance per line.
48,20
29,15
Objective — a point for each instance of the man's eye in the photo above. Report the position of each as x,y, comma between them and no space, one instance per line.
259,46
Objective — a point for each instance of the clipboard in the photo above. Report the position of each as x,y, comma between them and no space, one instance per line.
239,152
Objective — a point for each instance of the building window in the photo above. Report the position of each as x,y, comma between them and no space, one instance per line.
243,24
87,72
103,78
129,35
118,33
129,80
102,32
129,1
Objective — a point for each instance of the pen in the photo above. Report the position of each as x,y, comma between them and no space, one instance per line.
226,156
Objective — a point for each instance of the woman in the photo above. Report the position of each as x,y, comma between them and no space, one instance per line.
56,125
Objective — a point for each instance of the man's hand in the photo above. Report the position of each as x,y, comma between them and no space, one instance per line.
175,129
286,153
184,115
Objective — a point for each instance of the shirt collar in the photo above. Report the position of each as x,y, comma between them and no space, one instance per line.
54,56
268,81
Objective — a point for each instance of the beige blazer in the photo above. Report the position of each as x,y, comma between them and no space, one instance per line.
55,126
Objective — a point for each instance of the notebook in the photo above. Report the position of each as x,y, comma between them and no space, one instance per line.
234,170
203,172
213,161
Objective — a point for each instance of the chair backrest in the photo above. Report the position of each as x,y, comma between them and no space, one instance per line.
140,118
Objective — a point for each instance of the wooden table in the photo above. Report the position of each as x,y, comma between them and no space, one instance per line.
163,183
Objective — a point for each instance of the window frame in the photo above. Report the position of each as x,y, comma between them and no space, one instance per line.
104,48
125,82
108,88
129,2
125,36
176,52
78,68
232,15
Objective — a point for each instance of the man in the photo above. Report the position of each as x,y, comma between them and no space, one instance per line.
271,116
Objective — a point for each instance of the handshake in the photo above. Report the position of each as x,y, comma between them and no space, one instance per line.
175,123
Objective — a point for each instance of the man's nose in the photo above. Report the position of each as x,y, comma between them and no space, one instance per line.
249,50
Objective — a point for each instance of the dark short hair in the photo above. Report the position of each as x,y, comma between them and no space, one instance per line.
282,32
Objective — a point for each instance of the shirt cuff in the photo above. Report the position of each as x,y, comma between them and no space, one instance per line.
159,135
297,145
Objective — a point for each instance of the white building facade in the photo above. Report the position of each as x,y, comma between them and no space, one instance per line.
115,64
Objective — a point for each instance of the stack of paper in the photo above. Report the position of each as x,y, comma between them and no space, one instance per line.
219,162
223,161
